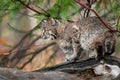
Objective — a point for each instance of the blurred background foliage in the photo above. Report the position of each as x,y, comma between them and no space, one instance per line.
58,8
19,17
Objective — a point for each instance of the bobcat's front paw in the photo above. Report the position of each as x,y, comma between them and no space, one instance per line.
92,54
70,59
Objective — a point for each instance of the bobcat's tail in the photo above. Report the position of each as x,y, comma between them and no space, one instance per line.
109,43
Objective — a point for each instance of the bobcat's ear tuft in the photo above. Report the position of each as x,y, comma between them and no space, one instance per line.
52,21
55,22
44,23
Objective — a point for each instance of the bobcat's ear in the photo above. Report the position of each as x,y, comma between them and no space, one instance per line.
51,22
55,22
58,21
44,21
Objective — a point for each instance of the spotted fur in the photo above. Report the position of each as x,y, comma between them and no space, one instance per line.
88,34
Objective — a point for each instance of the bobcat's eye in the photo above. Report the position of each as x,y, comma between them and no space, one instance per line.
53,36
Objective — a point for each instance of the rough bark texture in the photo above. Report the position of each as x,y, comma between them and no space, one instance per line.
13,74
78,66
80,70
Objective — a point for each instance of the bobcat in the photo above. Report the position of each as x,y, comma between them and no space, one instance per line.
88,34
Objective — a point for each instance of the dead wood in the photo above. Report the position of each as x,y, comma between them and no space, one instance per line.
78,66
13,74
79,70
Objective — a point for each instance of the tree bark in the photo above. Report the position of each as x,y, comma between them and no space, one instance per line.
80,70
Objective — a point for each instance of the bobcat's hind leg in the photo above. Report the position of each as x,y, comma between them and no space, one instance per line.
99,49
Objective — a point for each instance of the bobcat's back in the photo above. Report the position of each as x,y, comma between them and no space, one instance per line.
92,32
91,28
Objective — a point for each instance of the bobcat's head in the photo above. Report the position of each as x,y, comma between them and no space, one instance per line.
50,29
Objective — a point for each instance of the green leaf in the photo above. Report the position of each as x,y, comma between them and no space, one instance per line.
62,9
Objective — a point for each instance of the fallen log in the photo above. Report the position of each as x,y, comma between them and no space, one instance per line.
79,70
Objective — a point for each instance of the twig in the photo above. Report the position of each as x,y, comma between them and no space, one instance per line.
104,22
87,11
28,46
24,37
28,15
27,6
16,30
37,52
44,10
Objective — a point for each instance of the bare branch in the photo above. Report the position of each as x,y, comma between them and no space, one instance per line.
37,52
24,37
27,6
16,30
104,22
